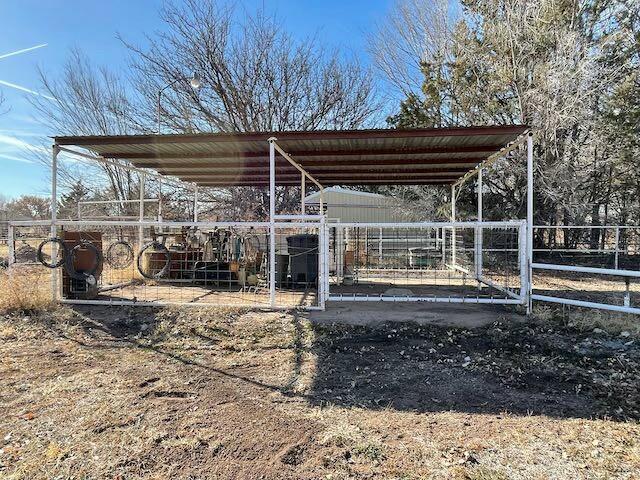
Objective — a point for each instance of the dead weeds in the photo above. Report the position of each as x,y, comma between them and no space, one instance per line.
24,289
227,393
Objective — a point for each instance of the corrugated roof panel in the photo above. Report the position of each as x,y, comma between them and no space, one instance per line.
391,156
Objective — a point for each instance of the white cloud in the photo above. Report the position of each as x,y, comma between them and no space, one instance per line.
25,89
14,158
11,147
24,50
17,143
21,133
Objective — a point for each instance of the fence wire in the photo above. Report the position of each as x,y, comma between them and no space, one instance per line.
439,262
226,265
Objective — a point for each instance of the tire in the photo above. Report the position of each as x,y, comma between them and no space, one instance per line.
88,275
165,269
63,249
111,255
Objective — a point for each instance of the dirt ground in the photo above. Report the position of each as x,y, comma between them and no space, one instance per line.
230,394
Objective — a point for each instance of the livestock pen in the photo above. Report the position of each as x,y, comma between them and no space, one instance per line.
305,259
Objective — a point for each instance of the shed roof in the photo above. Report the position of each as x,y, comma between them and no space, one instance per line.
333,157
315,196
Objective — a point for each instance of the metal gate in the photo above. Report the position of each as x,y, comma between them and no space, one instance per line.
452,262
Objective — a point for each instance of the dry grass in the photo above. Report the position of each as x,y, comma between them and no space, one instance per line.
589,319
25,289
228,393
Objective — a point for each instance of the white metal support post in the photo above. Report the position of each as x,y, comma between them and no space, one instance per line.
303,188
453,229
529,220
160,199
141,210
325,261
54,218
479,228
11,239
617,253
323,266
272,225
195,203
523,244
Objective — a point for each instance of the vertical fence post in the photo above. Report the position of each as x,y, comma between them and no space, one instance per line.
160,199
54,218
272,225
11,244
323,263
303,193
453,229
479,236
617,253
524,263
326,260
141,210
195,203
627,292
529,218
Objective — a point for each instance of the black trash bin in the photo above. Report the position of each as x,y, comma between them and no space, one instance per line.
303,259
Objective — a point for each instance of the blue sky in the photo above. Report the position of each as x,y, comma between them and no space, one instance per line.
93,25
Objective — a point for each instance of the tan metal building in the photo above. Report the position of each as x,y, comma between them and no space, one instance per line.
344,205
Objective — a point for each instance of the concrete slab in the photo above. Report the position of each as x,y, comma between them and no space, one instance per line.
449,314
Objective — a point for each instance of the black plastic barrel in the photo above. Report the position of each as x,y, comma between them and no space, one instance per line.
303,258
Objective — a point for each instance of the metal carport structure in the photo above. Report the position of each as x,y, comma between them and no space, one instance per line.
434,156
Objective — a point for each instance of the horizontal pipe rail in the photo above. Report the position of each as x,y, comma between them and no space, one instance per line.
577,269
584,226
151,223
185,304
382,298
101,202
507,224
583,303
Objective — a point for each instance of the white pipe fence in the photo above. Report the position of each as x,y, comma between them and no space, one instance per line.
372,249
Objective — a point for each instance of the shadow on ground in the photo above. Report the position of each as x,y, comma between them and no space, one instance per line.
505,366
502,367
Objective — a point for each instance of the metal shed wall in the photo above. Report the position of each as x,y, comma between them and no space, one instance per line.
354,206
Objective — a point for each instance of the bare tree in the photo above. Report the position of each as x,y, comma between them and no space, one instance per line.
89,101
255,76
413,33
3,201
546,64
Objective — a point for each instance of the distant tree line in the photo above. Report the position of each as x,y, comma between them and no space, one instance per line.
567,68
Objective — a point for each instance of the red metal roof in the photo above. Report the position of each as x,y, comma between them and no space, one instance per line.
333,157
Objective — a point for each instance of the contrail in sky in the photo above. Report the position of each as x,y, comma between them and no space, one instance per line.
14,158
24,50
24,89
